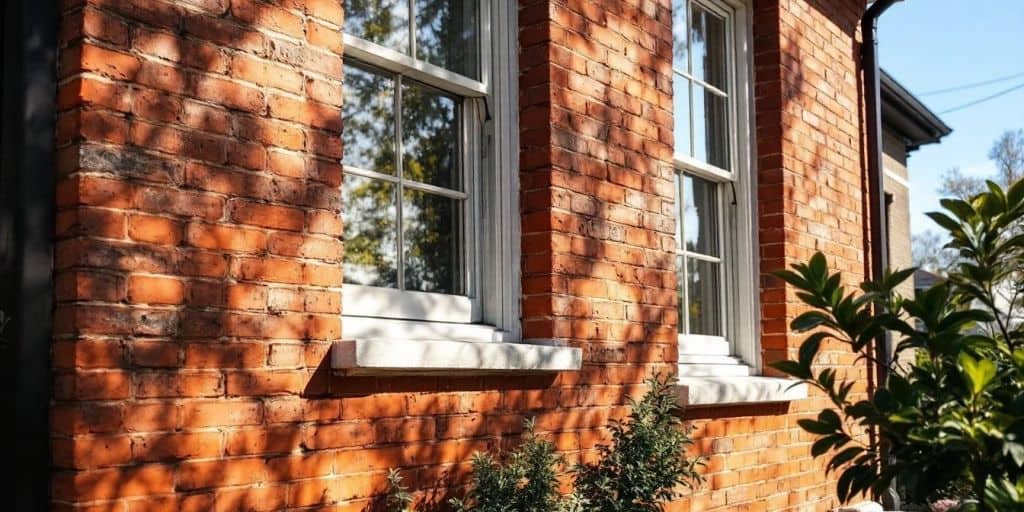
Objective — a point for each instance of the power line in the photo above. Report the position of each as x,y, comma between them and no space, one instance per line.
971,85
986,98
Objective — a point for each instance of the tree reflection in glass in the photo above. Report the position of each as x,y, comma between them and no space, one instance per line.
385,22
429,132
429,216
369,114
700,261
371,232
403,213
446,34
704,305
431,240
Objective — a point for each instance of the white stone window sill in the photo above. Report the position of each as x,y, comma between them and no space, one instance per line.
709,391
710,376
369,356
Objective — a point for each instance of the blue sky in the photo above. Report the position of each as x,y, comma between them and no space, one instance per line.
935,44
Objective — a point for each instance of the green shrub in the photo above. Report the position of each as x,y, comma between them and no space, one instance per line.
646,464
643,468
526,481
954,415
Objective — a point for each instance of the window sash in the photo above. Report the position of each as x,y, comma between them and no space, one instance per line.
489,227
722,223
730,17
738,263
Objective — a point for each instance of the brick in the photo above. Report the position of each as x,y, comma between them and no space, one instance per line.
256,499
92,452
199,475
109,63
180,502
113,483
324,222
263,440
153,229
247,296
305,246
95,385
264,383
151,417
224,355
155,354
266,73
176,446
178,384
221,413
225,237
155,290
230,94
87,285
268,216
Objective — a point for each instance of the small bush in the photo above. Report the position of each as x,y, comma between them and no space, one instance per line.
526,481
646,464
643,468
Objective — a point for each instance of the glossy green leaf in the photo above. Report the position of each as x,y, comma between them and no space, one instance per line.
977,373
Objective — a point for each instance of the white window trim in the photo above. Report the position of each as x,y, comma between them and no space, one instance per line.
746,386
492,221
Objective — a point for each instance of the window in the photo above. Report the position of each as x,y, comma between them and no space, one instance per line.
715,232
428,163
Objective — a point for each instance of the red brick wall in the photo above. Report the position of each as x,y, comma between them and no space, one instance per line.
198,275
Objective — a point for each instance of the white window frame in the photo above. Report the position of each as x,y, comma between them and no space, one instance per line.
738,236
490,180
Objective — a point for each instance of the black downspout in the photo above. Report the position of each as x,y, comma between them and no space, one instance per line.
876,185
873,118
28,96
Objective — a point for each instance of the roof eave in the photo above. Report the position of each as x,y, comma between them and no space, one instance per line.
908,117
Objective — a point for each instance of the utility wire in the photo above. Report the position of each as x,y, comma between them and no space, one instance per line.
971,85
986,98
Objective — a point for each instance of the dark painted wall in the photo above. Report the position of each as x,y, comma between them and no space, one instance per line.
26,226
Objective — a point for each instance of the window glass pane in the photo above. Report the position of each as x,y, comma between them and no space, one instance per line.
371,232
711,128
430,136
700,216
681,116
679,28
707,42
431,242
703,297
385,22
369,119
447,34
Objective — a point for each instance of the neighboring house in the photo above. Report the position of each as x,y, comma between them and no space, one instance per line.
924,280
907,124
293,244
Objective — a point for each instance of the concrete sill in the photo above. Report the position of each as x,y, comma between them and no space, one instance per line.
719,391
418,357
